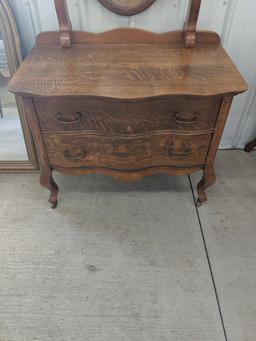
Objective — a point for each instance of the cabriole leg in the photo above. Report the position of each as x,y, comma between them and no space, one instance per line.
46,180
208,179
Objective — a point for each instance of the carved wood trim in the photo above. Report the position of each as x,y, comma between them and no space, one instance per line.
65,25
132,136
191,22
128,36
129,176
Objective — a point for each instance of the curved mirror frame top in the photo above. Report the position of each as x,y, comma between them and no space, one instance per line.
127,7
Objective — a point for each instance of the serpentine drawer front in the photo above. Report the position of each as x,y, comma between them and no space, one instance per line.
127,103
151,150
126,117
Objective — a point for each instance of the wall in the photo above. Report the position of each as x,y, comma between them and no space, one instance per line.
232,19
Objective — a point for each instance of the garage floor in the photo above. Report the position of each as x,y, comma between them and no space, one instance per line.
130,262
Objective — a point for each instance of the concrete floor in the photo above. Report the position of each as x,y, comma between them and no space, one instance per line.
130,261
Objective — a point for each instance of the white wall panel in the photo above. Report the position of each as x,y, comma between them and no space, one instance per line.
234,20
240,42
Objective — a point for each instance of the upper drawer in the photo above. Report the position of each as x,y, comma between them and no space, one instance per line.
127,116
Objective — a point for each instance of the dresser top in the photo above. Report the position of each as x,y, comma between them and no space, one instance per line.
127,71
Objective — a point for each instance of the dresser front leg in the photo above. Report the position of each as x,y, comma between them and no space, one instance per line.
46,180
208,179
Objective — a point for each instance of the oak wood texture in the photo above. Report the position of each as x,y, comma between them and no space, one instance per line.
127,7
128,103
46,179
128,176
126,152
12,47
128,36
180,114
209,177
125,71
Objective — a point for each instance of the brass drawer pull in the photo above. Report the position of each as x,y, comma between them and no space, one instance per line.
76,120
68,155
183,120
179,155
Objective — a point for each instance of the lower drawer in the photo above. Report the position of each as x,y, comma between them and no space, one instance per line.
126,153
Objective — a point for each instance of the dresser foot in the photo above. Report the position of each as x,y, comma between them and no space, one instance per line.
250,146
207,180
46,180
198,203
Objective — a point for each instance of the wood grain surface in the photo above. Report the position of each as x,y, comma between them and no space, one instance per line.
127,72
128,103
179,114
131,175
128,36
209,177
128,8
125,153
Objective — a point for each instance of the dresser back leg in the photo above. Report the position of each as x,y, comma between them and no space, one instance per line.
209,177
46,180
250,146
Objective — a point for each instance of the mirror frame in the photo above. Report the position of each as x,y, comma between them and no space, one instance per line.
127,11
14,55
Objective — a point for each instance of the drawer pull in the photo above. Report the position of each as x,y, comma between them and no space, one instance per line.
183,120
68,155
174,154
76,120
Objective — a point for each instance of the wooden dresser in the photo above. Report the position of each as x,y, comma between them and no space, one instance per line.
127,103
